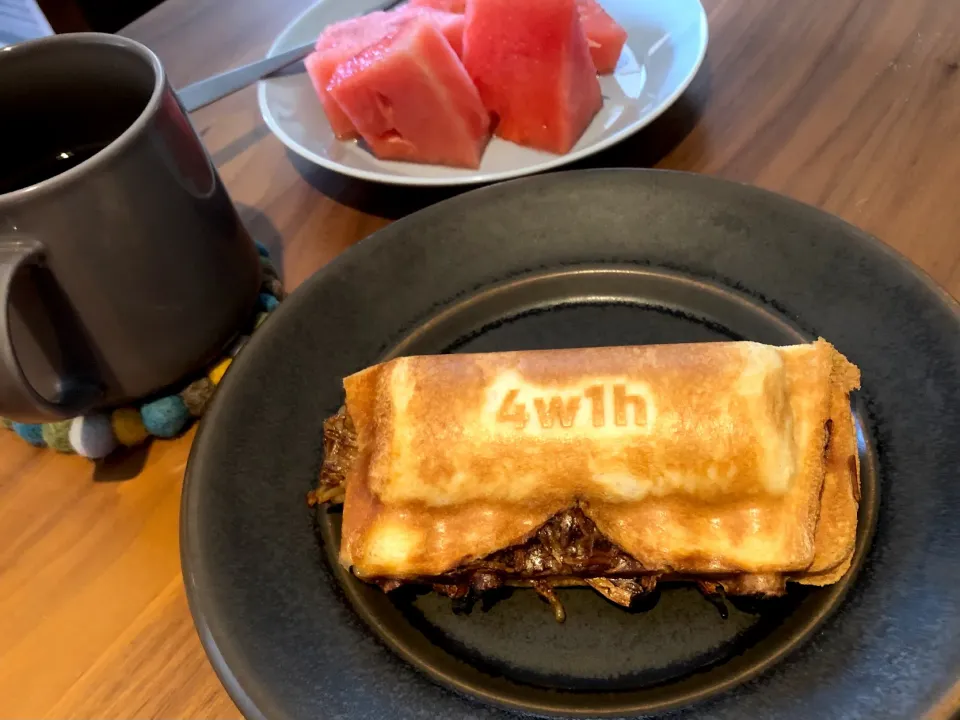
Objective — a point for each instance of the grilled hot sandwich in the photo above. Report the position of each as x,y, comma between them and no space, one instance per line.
733,465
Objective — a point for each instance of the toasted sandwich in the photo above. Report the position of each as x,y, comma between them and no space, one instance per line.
732,465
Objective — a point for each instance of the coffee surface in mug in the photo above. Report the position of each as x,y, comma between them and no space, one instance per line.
45,162
55,129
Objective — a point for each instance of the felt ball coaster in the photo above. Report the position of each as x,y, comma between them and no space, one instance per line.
97,435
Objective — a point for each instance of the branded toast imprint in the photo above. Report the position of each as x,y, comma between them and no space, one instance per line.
629,408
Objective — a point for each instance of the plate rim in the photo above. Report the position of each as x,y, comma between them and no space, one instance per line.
279,45
264,707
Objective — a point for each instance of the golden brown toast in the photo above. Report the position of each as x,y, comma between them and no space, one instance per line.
718,459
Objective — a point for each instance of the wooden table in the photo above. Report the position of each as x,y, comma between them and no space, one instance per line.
851,105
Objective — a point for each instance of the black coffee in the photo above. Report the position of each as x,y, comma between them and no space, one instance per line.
43,163
58,111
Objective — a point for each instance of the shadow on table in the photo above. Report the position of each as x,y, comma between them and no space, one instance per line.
232,149
262,229
122,464
250,138
387,201
644,149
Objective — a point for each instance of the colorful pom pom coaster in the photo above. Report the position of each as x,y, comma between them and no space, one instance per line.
96,436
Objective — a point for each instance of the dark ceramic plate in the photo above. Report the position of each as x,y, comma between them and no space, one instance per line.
592,258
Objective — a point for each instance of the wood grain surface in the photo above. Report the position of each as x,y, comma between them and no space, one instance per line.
851,105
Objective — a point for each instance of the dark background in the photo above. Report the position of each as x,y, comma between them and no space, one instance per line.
99,15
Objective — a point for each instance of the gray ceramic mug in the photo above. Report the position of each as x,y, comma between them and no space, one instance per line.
123,264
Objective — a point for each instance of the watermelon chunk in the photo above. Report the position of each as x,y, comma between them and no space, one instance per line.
341,41
450,24
411,99
336,44
604,35
354,32
454,6
530,61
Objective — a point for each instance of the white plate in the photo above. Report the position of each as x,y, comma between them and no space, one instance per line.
666,42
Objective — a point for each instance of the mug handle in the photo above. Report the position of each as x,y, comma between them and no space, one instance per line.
19,399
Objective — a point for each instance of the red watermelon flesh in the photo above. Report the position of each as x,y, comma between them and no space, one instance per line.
319,69
604,36
450,24
341,41
358,31
336,44
454,6
531,63
411,99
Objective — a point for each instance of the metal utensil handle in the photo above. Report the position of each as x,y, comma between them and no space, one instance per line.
213,88
204,92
